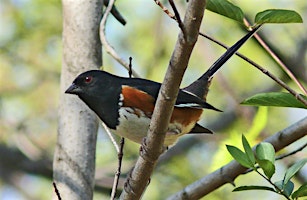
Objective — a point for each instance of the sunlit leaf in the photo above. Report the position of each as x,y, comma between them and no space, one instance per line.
253,187
294,169
278,16
300,192
239,156
279,99
265,151
265,154
225,8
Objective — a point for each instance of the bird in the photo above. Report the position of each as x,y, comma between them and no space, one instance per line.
126,105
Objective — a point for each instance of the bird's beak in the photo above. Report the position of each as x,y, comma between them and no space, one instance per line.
73,89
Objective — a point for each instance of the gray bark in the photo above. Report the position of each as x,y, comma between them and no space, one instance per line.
74,159
138,180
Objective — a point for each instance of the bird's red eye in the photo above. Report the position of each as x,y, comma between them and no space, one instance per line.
88,79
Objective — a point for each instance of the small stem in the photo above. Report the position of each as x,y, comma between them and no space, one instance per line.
291,153
118,172
279,191
177,17
130,72
171,15
111,137
109,49
56,191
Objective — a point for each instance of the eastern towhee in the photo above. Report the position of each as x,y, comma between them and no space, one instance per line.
126,105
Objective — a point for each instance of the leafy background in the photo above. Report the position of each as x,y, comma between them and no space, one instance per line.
30,63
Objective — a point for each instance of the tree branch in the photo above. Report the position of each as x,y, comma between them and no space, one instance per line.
229,172
74,157
152,148
109,49
278,61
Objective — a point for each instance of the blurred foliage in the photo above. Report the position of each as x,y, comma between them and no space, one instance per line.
30,63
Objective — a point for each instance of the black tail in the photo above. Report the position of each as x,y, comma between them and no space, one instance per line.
199,87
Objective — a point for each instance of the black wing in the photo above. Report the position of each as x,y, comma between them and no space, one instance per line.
184,99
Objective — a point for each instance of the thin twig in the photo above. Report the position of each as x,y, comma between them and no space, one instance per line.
121,150
116,13
266,72
263,70
111,137
119,167
171,15
277,60
291,153
177,17
130,67
277,189
109,49
56,191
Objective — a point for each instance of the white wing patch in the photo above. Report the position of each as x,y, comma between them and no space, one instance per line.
121,99
189,105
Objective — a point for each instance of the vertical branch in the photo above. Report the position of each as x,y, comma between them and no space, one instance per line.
74,158
120,153
107,47
152,147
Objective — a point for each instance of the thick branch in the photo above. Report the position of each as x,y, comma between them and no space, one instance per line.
140,175
74,157
229,172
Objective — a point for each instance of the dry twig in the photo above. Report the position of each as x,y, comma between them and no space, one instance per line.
109,49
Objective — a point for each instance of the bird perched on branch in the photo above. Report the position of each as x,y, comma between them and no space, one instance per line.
126,105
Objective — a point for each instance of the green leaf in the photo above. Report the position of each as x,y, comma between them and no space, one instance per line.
267,166
301,192
225,8
279,99
239,156
248,150
253,187
278,16
265,154
287,189
265,151
294,169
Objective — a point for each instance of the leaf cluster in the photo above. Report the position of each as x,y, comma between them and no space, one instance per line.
232,11
264,158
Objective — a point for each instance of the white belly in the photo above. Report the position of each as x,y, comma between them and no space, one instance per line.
135,127
132,126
